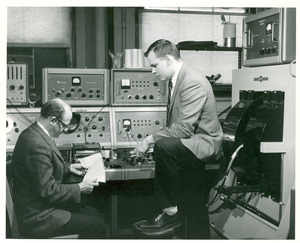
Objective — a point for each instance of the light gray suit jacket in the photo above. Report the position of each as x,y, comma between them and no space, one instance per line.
39,191
193,102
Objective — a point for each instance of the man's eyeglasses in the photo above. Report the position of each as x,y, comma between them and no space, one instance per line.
74,124
65,126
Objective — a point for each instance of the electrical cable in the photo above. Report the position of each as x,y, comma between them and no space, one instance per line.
22,114
232,158
129,136
86,128
290,69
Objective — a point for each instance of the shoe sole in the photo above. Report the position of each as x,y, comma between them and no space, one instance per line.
162,234
170,226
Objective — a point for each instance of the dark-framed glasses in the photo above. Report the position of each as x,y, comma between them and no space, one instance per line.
65,126
74,124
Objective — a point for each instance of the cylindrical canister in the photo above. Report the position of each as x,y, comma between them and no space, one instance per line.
229,34
128,62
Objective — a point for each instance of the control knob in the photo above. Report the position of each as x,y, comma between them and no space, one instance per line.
262,52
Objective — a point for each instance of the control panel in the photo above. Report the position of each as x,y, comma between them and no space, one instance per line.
137,87
124,167
17,84
18,120
94,127
78,87
132,125
270,37
119,164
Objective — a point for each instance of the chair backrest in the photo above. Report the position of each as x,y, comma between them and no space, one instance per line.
12,218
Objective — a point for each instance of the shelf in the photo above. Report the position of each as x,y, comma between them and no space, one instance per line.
203,48
208,46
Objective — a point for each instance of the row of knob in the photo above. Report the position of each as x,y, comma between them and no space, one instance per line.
78,90
138,135
13,87
268,50
89,135
137,97
83,95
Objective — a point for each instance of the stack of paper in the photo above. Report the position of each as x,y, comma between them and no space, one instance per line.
95,166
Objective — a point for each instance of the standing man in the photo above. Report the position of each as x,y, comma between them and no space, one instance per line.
192,137
45,205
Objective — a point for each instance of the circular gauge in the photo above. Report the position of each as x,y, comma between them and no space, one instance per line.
269,28
9,124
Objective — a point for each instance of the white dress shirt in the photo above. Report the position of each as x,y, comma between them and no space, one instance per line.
174,78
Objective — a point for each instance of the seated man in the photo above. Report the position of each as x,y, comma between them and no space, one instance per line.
193,136
45,205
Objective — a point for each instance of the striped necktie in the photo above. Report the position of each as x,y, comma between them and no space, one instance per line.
170,86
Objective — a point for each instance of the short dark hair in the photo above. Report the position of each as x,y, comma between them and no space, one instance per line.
162,48
54,107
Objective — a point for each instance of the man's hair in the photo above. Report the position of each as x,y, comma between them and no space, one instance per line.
54,107
162,47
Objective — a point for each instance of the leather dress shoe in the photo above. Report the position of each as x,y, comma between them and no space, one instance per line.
160,222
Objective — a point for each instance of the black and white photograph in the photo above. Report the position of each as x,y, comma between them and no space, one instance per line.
139,120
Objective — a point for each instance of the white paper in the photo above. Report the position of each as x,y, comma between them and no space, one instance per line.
95,166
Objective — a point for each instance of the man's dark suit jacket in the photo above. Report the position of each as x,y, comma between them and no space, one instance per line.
40,195
193,102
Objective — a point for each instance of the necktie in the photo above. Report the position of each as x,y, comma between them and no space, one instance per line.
170,86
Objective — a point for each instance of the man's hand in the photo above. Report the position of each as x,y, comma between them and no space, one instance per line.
87,186
78,169
142,147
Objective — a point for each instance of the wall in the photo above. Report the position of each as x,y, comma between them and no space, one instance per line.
178,27
53,25
39,25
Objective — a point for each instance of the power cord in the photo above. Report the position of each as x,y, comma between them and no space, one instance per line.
86,128
232,158
290,69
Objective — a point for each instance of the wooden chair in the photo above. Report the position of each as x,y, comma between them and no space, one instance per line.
12,218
